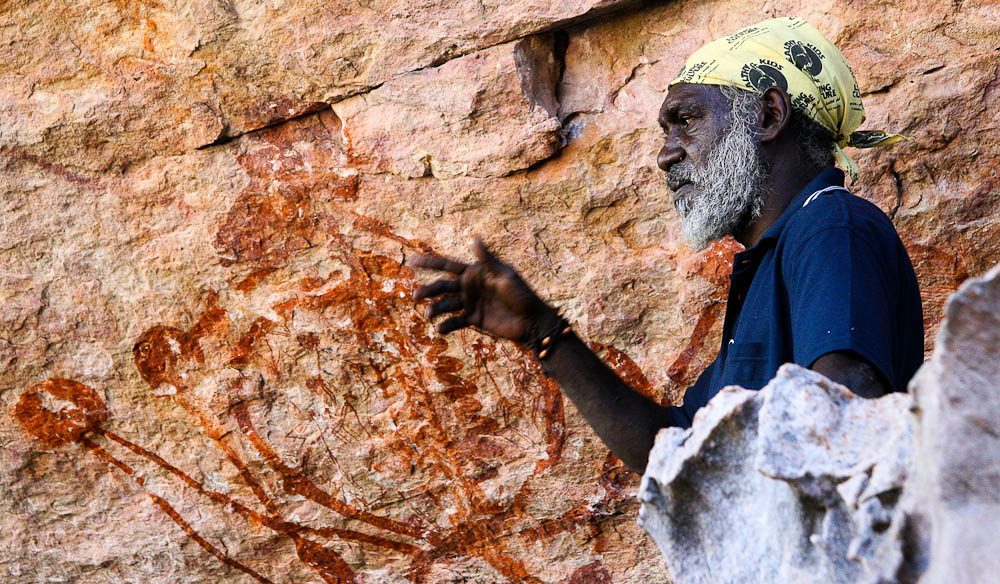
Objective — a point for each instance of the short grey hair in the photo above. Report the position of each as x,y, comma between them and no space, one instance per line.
815,142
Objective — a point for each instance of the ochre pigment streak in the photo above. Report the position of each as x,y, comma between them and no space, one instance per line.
713,267
552,408
325,562
86,416
248,342
478,536
67,425
296,483
679,370
168,509
272,522
160,353
73,425
628,370
53,168
380,228
482,537
373,310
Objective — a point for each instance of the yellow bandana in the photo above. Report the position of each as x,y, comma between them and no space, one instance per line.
791,54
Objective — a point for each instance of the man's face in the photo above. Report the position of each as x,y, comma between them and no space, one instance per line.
712,159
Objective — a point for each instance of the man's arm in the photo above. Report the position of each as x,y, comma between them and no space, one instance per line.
626,420
491,296
853,372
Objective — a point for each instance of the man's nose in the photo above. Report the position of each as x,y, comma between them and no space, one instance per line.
669,155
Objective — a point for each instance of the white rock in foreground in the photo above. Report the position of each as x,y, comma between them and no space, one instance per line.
952,498
780,485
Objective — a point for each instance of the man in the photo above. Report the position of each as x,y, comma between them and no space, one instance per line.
752,127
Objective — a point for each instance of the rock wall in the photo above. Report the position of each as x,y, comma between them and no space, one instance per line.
209,367
805,482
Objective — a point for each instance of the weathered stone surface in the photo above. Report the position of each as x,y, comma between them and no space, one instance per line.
99,86
255,266
951,499
487,114
800,481
797,482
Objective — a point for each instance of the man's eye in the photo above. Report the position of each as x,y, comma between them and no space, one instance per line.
685,121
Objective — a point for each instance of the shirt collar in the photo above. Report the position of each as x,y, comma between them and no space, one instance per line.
828,177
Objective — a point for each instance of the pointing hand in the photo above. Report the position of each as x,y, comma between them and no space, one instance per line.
488,295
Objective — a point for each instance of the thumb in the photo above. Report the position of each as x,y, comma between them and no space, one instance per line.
483,253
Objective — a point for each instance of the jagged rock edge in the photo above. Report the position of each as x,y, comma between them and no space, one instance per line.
558,26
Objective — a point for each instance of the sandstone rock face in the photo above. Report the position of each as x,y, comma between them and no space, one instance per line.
102,86
452,120
805,482
209,367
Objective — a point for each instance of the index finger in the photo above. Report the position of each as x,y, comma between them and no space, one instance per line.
436,262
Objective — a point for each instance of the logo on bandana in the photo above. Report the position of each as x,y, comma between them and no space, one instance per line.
763,76
805,56
688,74
737,39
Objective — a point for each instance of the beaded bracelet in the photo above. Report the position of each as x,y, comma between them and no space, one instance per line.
543,344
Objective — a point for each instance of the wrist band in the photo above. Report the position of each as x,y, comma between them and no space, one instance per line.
542,345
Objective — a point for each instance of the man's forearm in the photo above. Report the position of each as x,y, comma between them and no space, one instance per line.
625,420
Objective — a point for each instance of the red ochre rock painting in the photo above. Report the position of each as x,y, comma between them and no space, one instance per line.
85,414
379,376
416,457
294,170
712,267
450,440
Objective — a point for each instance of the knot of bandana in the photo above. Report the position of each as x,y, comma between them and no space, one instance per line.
789,53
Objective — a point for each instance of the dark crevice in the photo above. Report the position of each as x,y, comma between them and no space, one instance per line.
631,77
537,164
225,138
559,53
898,183
933,69
539,71
559,48
882,89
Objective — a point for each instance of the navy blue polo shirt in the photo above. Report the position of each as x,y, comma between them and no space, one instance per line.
829,275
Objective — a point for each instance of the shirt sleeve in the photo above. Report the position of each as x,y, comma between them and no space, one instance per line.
694,399
838,285
676,417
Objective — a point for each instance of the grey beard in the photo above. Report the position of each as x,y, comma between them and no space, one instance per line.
727,192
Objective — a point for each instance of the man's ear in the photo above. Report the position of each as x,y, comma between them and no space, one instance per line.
775,113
